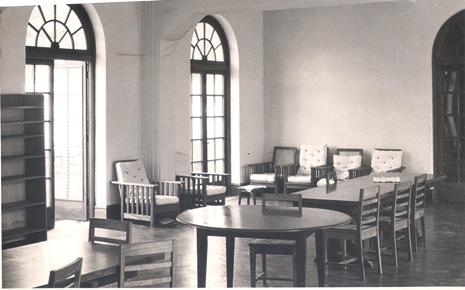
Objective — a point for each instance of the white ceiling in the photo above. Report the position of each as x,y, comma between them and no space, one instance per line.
224,4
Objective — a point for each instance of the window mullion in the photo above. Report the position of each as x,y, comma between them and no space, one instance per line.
204,123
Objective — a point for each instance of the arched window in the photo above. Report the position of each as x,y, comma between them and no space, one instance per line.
210,136
60,56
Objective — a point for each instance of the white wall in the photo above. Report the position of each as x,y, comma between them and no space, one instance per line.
354,76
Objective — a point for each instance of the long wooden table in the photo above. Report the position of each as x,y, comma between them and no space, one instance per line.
345,196
29,266
248,221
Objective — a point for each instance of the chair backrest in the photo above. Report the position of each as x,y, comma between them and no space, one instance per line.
150,264
131,171
343,163
282,203
349,151
284,155
418,195
68,276
312,156
384,160
369,202
401,201
122,229
171,188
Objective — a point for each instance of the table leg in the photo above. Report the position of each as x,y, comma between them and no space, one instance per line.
202,248
229,261
300,260
320,260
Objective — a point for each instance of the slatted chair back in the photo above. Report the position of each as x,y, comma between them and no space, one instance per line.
284,155
115,227
418,195
369,203
194,190
401,208
150,264
282,203
67,277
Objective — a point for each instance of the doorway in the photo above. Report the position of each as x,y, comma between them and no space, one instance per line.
449,106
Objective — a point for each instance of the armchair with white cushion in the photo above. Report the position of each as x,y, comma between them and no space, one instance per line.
270,174
140,199
203,188
382,160
312,166
345,161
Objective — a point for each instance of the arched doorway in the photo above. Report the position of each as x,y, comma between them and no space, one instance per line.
60,62
449,106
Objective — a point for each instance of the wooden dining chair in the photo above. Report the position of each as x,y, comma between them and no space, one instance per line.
365,227
149,264
274,204
418,210
122,230
67,277
395,216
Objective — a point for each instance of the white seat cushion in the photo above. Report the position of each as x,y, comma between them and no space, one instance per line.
262,177
215,189
383,160
342,164
166,199
131,171
311,156
299,179
322,182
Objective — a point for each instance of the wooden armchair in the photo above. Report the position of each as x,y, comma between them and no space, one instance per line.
203,188
312,167
344,162
140,199
382,160
270,174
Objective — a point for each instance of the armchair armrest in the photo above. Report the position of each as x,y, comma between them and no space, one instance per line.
134,184
319,172
283,171
223,179
169,188
360,171
264,167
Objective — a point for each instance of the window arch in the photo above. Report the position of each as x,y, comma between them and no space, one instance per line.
210,116
60,63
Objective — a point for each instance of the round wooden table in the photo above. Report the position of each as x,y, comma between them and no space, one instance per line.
248,221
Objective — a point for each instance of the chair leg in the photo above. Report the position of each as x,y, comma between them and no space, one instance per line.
362,260
378,255
240,199
409,241
423,231
325,251
253,270
294,270
413,233
265,282
394,246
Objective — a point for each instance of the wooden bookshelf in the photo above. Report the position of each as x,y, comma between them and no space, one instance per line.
24,212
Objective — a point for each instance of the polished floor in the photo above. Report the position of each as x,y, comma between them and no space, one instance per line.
442,263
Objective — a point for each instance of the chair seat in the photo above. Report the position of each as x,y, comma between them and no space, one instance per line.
166,199
262,177
322,182
215,189
299,179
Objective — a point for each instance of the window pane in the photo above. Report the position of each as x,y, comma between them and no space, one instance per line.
211,149
197,151
197,167
62,12
220,166
29,86
219,127
199,29
80,40
61,30
210,84
219,54
209,49
197,54
66,42
50,28
48,11
196,106
211,166
196,128
210,106
31,35
215,39
73,22
208,31
196,84
43,40
219,85
42,78
36,19
210,127
219,107
219,153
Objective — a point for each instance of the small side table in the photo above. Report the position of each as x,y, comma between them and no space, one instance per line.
248,191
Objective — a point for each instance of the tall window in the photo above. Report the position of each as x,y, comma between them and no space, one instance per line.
60,54
210,98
